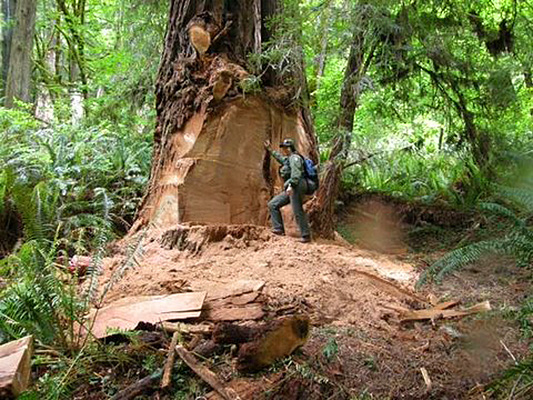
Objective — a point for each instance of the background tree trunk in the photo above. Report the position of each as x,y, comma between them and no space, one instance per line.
19,72
322,208
208,162
8,19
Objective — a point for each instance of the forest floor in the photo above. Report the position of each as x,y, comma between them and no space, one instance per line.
358,346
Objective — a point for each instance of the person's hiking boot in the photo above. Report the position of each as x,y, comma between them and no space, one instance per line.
279,233
305,239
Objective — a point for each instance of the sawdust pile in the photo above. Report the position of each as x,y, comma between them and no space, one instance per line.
354,297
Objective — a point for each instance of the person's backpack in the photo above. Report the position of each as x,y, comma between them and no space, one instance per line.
311,175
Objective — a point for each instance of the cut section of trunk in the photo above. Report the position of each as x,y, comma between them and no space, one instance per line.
209,164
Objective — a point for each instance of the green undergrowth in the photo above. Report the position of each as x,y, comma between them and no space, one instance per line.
62,172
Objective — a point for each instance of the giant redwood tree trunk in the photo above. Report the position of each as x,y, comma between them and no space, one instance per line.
208,163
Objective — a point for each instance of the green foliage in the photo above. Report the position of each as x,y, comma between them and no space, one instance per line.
517,242
517,381
331,349
56,175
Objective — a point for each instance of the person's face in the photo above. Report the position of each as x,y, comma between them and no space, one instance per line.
285,151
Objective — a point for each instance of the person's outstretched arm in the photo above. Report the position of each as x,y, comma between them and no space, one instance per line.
279,158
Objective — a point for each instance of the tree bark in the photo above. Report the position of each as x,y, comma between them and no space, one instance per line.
208,162
19,71
8,18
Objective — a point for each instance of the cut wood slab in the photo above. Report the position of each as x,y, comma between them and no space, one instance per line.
235,289
127,313
248,312
432,313
15,367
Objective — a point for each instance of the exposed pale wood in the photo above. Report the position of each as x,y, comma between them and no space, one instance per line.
235,289
139,387
248,312
447,304
245,298
15,366
205,373
128,312
169,363
433,313
186,328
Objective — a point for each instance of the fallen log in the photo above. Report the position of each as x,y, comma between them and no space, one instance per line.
279,341
169,363
15,367
231,333
205,373
434,313
139,387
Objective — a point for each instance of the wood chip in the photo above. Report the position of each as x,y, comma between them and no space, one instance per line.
205,373
427,379
15,366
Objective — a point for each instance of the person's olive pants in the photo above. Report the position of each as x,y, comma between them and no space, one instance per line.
296,200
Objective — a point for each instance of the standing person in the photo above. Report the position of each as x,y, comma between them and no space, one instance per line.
294,189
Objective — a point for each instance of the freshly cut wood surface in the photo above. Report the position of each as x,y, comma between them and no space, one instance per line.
126,313
15,367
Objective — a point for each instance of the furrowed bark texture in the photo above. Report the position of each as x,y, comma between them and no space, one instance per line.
19,71
208,163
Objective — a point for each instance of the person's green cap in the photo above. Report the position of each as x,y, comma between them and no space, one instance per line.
287,143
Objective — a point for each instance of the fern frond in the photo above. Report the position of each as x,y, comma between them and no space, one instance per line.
501,211
462,257
133,257
522,196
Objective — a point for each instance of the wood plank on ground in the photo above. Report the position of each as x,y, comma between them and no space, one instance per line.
127,313
15,367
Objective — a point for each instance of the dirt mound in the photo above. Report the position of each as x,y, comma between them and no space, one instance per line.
327,275
354,298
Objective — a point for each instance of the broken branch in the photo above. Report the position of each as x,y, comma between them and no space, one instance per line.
205,373
138,387
435,312
169,363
